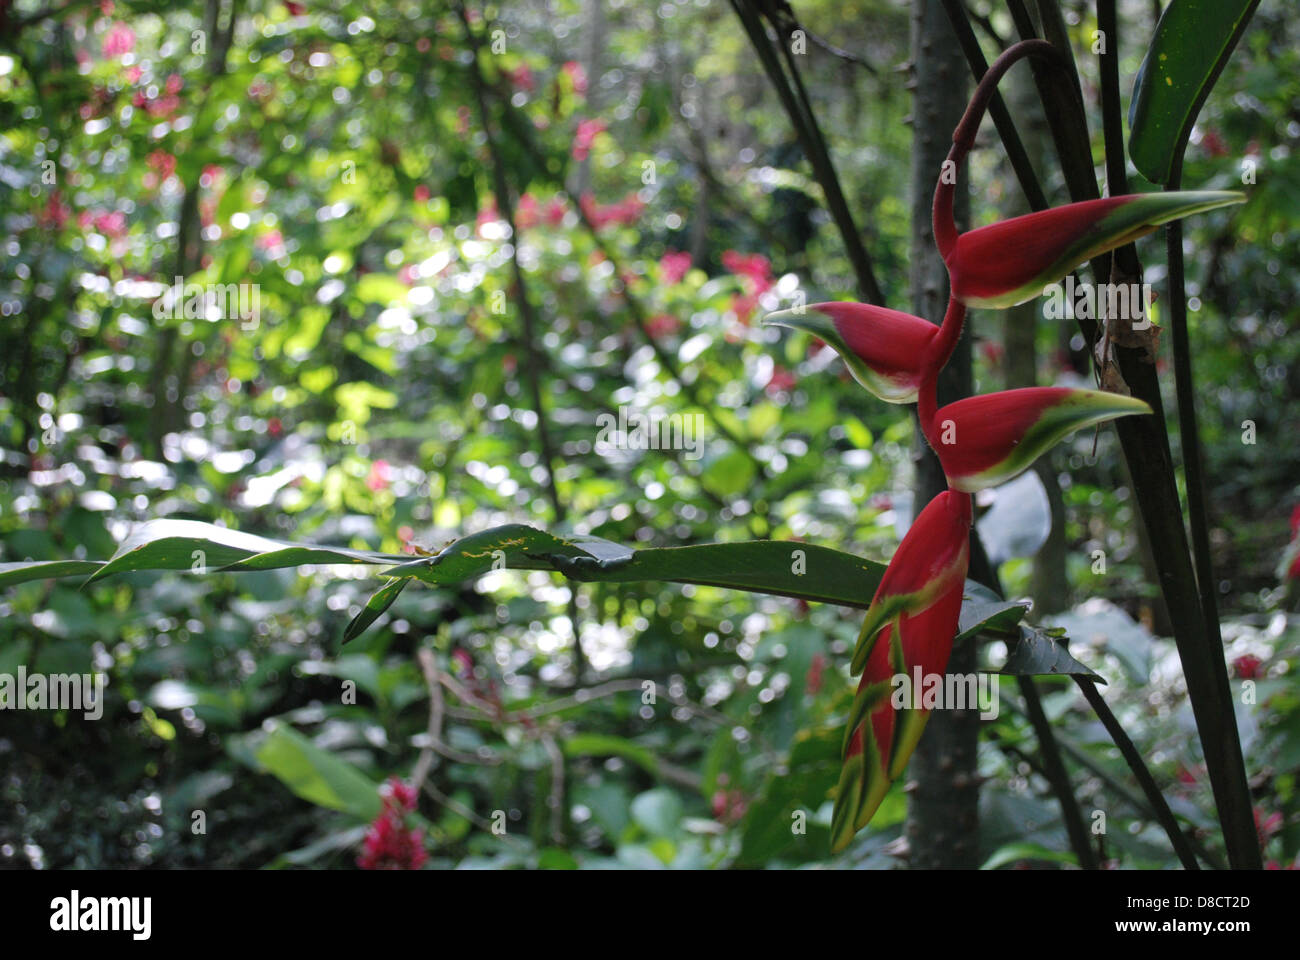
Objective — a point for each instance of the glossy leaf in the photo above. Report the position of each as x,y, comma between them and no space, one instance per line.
1192,42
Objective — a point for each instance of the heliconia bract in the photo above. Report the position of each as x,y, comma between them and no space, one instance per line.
987,440
1011,261
910,626
883,348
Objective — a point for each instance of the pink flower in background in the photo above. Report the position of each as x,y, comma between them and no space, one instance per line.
625,212
743,306
577,76
662,325
521,78
488,214
673,266
162,163
1267,826
781,381
119,40
380,474
272,242
55,213
585,136
133,74
554,212
421,194
528,212
174,84
111,225
753,266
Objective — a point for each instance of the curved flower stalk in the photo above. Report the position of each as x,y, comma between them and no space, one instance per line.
910,627
1010,262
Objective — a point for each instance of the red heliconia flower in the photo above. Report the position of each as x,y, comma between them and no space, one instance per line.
883,348
987,440
1012,261
910,625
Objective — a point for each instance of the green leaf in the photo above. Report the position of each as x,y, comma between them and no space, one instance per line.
374,608
980,614
317,775
15,573
602,745
658,812
785,568
1039,653
192,545
1015,852
1192,42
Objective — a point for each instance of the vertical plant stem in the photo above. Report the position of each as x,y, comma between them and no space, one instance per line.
1188,432
1057,775
1145,442
814,147
1155,798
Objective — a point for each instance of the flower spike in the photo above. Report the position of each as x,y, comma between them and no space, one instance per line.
1010,262
987,440
910,626
883,348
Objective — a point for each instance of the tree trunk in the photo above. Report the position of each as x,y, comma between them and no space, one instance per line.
943,799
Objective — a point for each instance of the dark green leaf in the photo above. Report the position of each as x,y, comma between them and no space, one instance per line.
375,606
1192,42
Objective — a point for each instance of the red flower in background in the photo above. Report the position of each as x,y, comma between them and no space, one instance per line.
781,381
585,136
662,325
812,683
120,39
162,163
55,213
1247,667
527,212
626,212
753,266
521,78
577,76
112,225
380,476
389,845
553,214
673,266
